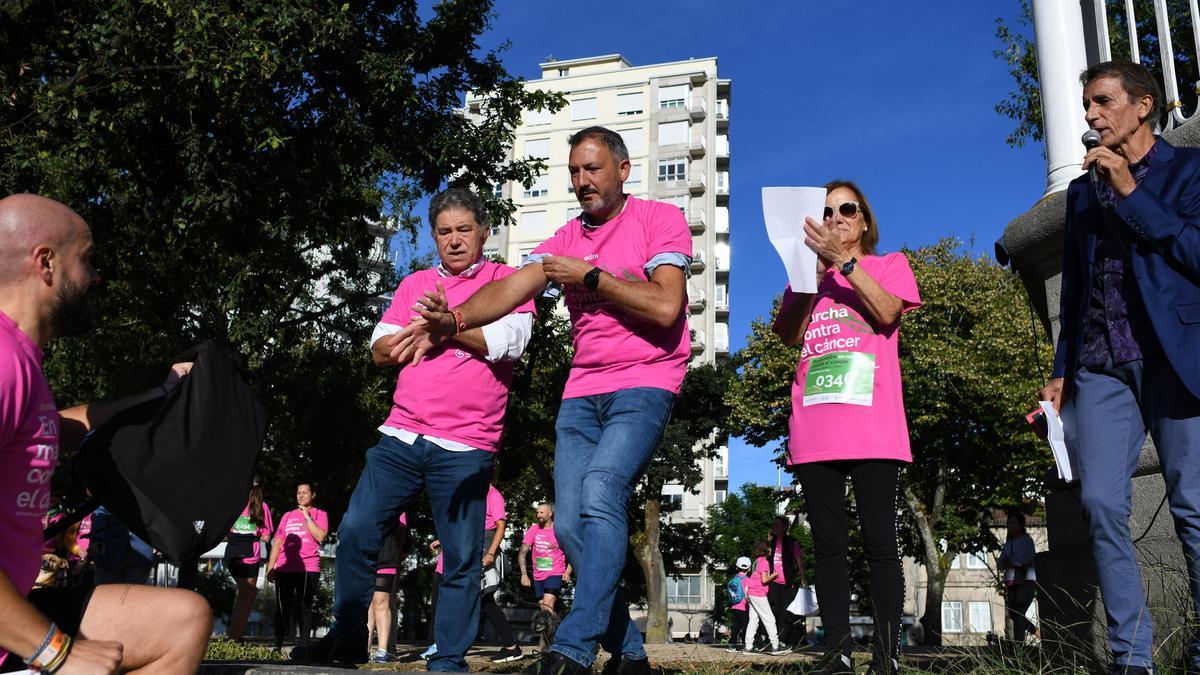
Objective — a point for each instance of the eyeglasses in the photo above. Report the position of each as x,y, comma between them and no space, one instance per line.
847,209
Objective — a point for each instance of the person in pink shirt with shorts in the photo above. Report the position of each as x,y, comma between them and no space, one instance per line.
622,265
46,279
550,567
848,415
441,436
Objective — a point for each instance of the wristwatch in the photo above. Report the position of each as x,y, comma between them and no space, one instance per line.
848,266
591,280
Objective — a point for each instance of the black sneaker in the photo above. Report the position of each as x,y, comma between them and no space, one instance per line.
507,654
553,663
331,649
833,662
618,665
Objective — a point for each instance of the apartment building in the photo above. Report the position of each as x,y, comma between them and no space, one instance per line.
674,119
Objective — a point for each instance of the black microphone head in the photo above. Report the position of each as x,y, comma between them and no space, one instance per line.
1091,139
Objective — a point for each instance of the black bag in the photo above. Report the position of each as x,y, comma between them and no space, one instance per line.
176,469
240,546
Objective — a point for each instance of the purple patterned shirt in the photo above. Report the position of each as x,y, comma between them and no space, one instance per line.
1117,325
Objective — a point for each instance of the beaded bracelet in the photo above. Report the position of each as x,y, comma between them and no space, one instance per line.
53,652
45,643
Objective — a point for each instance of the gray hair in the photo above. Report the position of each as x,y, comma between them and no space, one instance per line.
616,144
458,198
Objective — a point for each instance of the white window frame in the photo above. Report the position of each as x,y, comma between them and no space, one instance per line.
573,212
623,100
952,616
529,220
539,188
674,200
676,102
534,148
637,133
695,590
666,175
635,174
719,495
977,561
721,295
982,610
674,129
537,118
583,109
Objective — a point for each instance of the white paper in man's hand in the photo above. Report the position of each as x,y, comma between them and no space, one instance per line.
1058,443
784,209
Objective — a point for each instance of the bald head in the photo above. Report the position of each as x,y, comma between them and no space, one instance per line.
28,222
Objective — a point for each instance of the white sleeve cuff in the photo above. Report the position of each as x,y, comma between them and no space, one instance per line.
382,329
507,337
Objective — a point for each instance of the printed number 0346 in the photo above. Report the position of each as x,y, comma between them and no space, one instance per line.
830,381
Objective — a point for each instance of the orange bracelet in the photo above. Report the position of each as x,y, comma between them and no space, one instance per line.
459,324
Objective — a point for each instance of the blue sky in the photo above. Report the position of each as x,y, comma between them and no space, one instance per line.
896,96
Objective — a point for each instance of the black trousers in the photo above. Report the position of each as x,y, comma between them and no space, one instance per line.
780,596
294,593
737,632
876,487
1017,599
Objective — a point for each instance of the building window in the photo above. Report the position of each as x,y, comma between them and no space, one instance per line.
684,590
721,337
672,502
672,97
583,109
498,190
635,175
563,72
721,295
635,139
721,256
952,617
955,563
540,187
678,200
537,118
533,224
672,133
721,462
524,253
977,561
573,212
538,148
672,170
719,496
722,181
629,104
979,617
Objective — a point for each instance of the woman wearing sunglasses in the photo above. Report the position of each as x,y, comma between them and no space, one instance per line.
847,418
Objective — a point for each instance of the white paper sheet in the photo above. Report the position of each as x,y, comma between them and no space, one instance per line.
784,209
1058,444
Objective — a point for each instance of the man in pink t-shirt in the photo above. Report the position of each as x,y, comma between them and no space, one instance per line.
622,265
46,276
440,436
550,567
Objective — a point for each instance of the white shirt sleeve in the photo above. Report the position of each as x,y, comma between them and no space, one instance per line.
382,329
507,337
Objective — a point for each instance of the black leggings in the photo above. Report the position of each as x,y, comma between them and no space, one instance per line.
876,486
294,592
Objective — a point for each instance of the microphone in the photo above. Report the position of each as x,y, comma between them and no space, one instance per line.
1091,139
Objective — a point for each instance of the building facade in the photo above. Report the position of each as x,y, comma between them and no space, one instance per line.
674,119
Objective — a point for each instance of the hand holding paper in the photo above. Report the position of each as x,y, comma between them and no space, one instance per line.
784,210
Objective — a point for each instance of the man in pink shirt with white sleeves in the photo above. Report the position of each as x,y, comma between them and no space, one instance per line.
441,436
622,265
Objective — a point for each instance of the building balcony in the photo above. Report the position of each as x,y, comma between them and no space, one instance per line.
696,222
723,189
722,113
696,300
697,109
698,262
695,181
698,340
697,146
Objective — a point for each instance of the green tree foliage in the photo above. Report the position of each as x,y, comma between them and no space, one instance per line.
1024,106
242,165
971,359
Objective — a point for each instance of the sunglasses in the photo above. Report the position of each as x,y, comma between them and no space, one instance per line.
847,209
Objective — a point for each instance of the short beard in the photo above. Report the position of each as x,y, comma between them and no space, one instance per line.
607,201
73,314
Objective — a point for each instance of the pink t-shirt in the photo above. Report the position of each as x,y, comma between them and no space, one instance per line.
298,551
548,559
839,330
755,588
28,455
495,508
454,393
84,538
778,559
244,525
614,350
742,579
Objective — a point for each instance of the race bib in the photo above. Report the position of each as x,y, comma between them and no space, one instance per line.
840,377
544,564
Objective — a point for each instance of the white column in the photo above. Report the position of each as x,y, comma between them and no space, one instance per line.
1058,35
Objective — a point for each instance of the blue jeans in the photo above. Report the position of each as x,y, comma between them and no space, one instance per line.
457,484
1105,423
604,444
